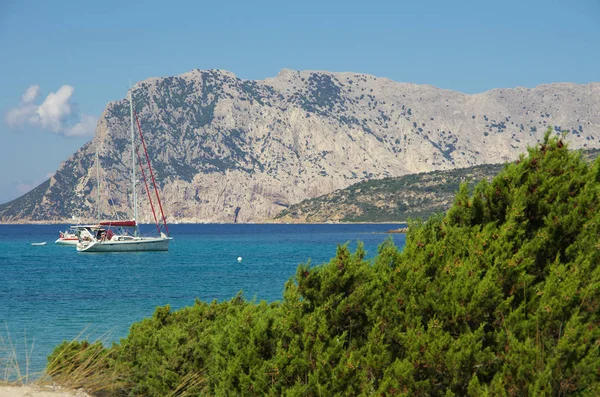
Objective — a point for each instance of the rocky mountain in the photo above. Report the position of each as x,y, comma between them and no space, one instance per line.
226,149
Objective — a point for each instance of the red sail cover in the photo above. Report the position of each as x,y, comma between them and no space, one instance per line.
130,223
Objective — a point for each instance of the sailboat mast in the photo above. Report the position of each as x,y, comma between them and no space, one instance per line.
98,184
135,209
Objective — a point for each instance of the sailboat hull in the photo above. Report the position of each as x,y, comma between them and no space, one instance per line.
70,241
138,244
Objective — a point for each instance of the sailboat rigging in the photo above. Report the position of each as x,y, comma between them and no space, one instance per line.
101,238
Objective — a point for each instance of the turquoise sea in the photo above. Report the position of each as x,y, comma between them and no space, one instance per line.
52,293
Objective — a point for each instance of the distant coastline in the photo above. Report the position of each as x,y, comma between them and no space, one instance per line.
67,222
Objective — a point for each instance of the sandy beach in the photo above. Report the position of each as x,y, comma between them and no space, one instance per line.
39,391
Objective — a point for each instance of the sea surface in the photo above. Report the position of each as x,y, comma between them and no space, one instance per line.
53,293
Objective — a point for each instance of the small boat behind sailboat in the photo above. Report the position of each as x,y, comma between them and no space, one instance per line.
67,238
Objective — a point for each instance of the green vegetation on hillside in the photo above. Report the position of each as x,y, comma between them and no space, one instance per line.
390,199
395,199
498,297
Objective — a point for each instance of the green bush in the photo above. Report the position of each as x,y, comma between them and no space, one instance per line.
500,296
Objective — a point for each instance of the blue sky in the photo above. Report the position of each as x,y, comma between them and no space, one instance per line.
63,61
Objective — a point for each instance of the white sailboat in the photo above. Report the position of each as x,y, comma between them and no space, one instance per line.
101,237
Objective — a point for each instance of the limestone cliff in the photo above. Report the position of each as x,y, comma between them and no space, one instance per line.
226,149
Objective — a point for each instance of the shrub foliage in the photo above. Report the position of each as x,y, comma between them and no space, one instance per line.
499,296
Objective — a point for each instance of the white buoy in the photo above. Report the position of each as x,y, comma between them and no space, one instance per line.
239,258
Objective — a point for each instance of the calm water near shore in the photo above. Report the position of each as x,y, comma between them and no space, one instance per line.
52,293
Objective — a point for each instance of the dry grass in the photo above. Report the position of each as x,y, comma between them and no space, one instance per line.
10,364
189,386
78,365
84,365
88,369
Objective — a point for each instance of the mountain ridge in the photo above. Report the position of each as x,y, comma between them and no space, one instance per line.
226,149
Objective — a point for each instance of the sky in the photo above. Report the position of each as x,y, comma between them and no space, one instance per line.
61,62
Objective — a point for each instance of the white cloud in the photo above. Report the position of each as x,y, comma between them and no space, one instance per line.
18,117
56,114
30,94
56,109
86,126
